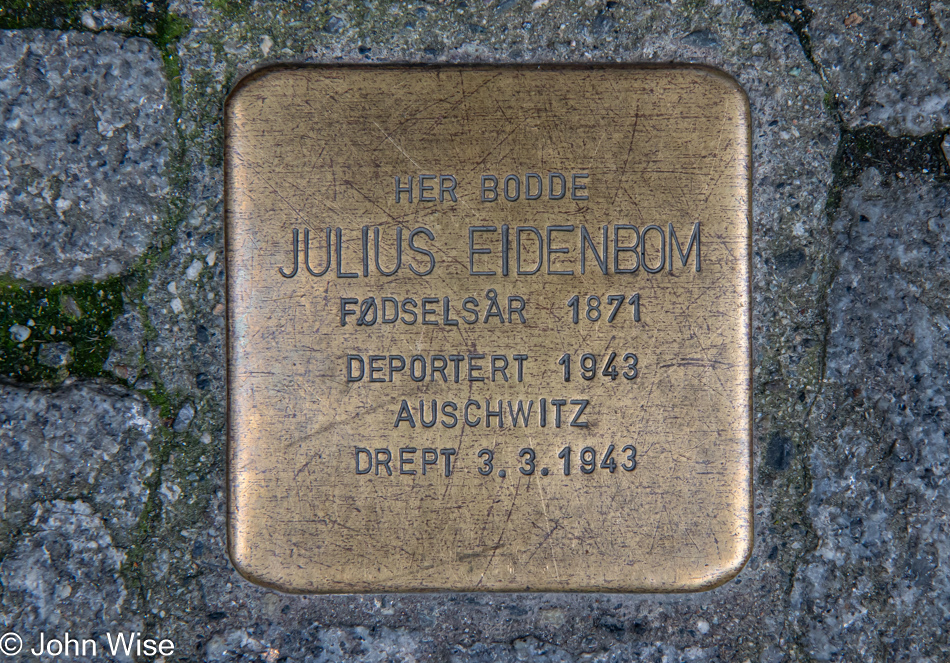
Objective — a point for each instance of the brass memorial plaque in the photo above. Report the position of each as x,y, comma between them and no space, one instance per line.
488,328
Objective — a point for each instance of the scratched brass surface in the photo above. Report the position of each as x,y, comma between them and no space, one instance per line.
311,148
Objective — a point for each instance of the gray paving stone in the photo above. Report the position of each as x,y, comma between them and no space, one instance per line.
880,501
66,577
888,62
84,440
83,152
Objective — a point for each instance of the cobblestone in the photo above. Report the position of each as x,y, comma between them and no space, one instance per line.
86,440
888,63
83,149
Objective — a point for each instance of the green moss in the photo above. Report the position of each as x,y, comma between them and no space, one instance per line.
230,8
161,400
50,14
148,19
171,28
80,315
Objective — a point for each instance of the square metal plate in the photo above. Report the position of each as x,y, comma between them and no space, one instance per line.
488,328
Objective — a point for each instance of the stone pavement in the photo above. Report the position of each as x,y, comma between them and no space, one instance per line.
112,356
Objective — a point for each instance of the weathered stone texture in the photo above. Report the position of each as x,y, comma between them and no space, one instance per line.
84,129
880,502
85,440
888,63
125,357
66,577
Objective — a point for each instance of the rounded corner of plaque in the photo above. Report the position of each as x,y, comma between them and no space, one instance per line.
727,570
240,560
729,84
250,571
245,86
